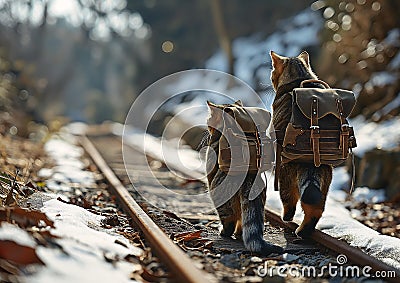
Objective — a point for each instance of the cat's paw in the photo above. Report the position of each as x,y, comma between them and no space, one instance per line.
227,230
305,230
270,248
288,214
225,233
238,236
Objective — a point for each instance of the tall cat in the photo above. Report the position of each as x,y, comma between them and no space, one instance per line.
297,181
239,216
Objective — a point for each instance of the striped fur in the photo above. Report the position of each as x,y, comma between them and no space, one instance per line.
297,181
239,216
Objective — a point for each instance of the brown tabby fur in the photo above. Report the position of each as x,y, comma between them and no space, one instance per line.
297,181
239,215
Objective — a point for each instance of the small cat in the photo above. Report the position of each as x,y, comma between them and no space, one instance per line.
239,216
297,181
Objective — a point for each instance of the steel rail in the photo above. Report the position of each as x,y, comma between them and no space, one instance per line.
173,257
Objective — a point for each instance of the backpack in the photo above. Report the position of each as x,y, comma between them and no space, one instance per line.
318,131
244,146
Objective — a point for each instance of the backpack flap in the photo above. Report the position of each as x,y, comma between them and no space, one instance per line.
247,119
244,146
327,101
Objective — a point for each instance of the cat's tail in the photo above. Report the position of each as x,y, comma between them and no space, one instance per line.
253,226
310,180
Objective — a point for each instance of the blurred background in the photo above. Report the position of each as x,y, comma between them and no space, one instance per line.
87,60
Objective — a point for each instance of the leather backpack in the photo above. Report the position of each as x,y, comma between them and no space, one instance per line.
318,131
244,146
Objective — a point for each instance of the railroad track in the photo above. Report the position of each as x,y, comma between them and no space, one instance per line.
105,151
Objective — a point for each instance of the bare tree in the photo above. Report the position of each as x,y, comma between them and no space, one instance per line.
223,36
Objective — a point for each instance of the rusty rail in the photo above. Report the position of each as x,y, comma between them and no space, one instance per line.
179,263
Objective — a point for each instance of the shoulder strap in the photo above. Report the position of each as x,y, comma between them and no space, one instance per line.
315,132
277,166
352,172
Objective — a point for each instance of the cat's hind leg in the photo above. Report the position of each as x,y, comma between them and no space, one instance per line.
253,224
288,190
313,186
228,219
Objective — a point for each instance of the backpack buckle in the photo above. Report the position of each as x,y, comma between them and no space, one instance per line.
315,129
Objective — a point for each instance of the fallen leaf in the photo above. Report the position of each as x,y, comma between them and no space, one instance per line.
24,217
199,245
30,185
10,200
188,236
78,201
9,250
8,267
153,277
111,220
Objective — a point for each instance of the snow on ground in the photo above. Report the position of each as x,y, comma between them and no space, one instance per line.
370,135
14,233
85,243
68,167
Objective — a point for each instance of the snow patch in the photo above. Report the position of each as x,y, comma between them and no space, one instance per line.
388,107
14,233
84,244
395,63
370,135
69,167
367,195
381,79
76,223
83,240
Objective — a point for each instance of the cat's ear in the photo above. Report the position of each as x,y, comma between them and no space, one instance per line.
277,60
239,102
305,57
213,106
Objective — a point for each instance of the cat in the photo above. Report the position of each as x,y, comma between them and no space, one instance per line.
239,216
297,181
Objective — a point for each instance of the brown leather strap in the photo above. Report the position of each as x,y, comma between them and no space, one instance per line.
259,149
315,133
280,136
278,166
344,130
352,172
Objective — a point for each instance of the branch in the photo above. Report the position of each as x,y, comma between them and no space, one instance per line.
222,32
